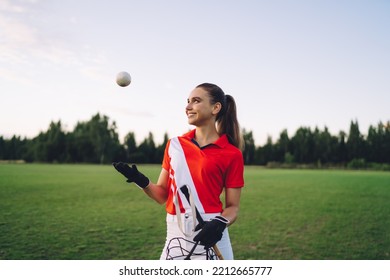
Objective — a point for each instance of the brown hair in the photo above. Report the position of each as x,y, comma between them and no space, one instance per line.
227,122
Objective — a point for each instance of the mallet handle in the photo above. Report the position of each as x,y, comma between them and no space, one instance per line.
184,190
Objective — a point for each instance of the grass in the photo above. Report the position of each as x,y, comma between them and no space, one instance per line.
89,212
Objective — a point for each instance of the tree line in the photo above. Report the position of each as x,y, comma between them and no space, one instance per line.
97,141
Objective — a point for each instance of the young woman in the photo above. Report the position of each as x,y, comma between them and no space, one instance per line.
208,161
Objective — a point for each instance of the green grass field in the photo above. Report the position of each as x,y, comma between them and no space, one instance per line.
88,212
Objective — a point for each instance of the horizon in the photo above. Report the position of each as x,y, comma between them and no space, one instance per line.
139,140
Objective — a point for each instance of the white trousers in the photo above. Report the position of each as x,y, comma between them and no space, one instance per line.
178,244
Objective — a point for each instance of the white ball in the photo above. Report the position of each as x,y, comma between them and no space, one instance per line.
123,79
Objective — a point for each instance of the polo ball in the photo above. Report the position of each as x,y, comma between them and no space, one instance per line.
123,79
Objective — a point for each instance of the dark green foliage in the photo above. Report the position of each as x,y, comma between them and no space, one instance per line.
96,141
321,149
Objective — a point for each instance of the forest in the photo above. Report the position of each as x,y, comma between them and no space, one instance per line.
97,141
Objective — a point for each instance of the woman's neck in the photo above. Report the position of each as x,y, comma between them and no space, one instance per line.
206,135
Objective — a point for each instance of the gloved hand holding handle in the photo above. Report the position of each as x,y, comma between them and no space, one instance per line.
211,231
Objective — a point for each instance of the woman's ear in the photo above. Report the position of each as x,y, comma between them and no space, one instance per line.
217,108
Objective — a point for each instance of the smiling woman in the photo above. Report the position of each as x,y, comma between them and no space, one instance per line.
207,161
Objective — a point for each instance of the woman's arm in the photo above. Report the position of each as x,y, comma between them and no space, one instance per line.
232,204
158,191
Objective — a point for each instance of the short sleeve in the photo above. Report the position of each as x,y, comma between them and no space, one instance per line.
166,163
235,172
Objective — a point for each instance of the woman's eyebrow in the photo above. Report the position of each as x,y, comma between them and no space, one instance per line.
194,98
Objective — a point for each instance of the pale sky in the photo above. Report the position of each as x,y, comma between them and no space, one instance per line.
288,64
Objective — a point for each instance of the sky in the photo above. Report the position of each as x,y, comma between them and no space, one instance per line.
288,64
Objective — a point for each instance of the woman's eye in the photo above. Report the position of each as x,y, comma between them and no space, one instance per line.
193,101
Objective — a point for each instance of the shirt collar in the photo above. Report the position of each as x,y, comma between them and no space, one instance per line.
221,142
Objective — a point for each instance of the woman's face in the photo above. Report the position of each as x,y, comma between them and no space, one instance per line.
199,109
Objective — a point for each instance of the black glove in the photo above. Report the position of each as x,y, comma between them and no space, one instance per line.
132,174
211,231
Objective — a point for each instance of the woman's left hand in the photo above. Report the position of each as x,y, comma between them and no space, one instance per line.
211,232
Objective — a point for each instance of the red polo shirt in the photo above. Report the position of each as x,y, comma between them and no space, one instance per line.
209,170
